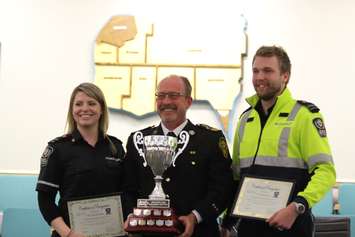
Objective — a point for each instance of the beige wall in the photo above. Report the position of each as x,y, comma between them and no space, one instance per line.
47,49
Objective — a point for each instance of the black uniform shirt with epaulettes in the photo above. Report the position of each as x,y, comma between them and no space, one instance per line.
196,179
75,168
201,169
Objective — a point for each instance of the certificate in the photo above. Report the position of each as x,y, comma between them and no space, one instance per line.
259,198
97,216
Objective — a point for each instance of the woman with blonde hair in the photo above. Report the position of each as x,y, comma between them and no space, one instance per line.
84,162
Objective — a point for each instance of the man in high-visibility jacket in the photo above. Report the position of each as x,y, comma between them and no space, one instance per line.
281,138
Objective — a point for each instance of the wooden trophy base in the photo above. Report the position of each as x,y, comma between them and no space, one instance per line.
157,221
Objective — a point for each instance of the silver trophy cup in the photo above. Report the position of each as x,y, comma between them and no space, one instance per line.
159,154
154,215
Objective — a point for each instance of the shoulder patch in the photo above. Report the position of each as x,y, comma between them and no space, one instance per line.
208,127
222,143
319,124
46,154
311,107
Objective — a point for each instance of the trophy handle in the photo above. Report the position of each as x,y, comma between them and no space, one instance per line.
138,140
184,138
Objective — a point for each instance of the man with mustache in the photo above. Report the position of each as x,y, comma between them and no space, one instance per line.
199,186
281,138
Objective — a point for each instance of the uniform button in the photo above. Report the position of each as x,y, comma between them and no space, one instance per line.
193,162
73,140
167,179
167,196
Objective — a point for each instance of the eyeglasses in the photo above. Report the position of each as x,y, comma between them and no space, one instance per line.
170,95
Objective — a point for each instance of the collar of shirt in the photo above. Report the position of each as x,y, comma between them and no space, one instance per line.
176,130
77,136
263,116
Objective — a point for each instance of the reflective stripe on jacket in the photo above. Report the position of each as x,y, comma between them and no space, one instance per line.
290,146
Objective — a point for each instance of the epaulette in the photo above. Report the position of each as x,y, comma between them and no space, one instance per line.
204,126
60,139
113,138
147,128
245,111
311,107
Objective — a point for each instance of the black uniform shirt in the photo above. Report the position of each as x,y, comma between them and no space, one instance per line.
76,169
263,116
201,179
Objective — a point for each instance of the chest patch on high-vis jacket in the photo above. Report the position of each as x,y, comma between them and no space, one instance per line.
319,124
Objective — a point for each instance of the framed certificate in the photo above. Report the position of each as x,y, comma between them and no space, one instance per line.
259,198
97,216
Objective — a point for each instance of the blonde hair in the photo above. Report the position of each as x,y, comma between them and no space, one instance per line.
94,92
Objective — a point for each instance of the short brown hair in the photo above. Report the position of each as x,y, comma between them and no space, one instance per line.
279,53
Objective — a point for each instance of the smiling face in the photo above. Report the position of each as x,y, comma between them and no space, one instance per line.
268,80
172,102
86,111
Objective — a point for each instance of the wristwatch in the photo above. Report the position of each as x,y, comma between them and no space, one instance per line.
299,207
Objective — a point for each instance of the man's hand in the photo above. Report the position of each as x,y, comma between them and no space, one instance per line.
284,218
189,223
125,224
224,232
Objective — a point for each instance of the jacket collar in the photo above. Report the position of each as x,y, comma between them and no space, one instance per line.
281,100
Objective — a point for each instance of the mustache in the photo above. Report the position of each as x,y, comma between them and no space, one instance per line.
265,83
262,82
163,107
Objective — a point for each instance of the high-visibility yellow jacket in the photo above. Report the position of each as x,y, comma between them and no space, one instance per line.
292,145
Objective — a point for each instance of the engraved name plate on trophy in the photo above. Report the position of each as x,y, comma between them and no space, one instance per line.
154,215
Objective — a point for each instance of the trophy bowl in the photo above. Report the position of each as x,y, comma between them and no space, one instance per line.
159,153
154,215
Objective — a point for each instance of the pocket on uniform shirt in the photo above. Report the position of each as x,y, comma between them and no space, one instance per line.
113,168
80,168
83,170
77,178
